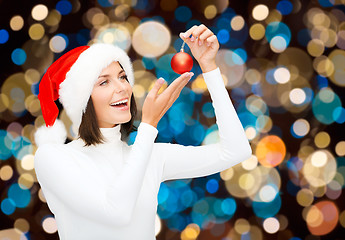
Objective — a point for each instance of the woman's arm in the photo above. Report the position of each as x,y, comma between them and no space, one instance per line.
189,161
77,189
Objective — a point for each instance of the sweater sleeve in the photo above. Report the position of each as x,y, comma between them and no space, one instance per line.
181,162
75,186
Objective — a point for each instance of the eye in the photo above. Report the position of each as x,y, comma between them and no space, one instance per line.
102,83
124,77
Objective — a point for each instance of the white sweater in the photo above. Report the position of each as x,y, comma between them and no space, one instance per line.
109,192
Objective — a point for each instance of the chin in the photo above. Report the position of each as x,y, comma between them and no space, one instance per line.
125,121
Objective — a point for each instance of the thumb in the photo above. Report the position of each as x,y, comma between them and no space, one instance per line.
158,84
186,39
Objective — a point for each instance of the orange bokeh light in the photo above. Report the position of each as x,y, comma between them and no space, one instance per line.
270,151
325,220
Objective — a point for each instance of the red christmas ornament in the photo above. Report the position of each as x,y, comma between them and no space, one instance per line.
181,62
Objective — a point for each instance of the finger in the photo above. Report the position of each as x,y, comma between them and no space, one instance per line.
199,30
189,32
169,96
196,33
179,88
212,40
206,34
175,84
187,41
158,84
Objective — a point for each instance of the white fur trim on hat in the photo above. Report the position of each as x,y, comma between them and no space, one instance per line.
76,89
54,134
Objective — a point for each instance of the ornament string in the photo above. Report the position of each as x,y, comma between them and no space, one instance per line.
182,46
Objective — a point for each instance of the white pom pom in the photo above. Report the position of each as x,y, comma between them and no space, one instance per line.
55,134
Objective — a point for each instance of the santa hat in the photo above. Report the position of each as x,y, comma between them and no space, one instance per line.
71,79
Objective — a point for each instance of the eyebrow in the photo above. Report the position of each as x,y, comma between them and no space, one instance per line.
107,75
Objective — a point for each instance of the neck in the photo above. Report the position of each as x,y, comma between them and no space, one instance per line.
111,134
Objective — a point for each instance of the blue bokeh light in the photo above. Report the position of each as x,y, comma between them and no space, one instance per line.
208,110
293,132
274,29
257,89
238,94
326,3
64,37
174,197
212,186
339,115
198,132
223,23
168,208
218,213
270,76
247,118
284,7
267,209
3,36
291,188
149,63
132,135
239,56
193,134
324,105
8,206
188,198
18,56
21,146
223,36
146,5
309,95
321,81
21,197
176,222
64,7
183,14
303,37
164,70
105,3
229,206
163,193
5,145
83,36
165,135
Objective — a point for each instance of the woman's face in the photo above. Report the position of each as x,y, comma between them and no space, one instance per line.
112,87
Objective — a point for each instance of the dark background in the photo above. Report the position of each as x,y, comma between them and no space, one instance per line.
70,24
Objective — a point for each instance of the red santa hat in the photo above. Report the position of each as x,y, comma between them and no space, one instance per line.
71,79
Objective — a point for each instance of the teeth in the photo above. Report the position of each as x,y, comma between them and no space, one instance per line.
117,103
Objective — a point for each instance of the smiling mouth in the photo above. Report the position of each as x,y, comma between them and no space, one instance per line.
119,105
124,105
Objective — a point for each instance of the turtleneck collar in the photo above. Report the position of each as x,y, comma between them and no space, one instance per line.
111,134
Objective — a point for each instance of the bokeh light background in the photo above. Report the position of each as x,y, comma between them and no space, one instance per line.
283,63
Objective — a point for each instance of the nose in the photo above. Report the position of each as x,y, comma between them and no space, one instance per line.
119,87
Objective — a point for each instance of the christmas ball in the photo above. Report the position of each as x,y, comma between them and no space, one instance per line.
181,62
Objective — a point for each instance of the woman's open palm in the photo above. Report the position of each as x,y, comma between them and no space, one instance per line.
156,105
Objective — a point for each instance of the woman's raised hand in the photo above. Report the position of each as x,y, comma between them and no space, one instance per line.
203,44
156,105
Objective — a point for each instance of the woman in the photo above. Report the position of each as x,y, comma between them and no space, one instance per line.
97,186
